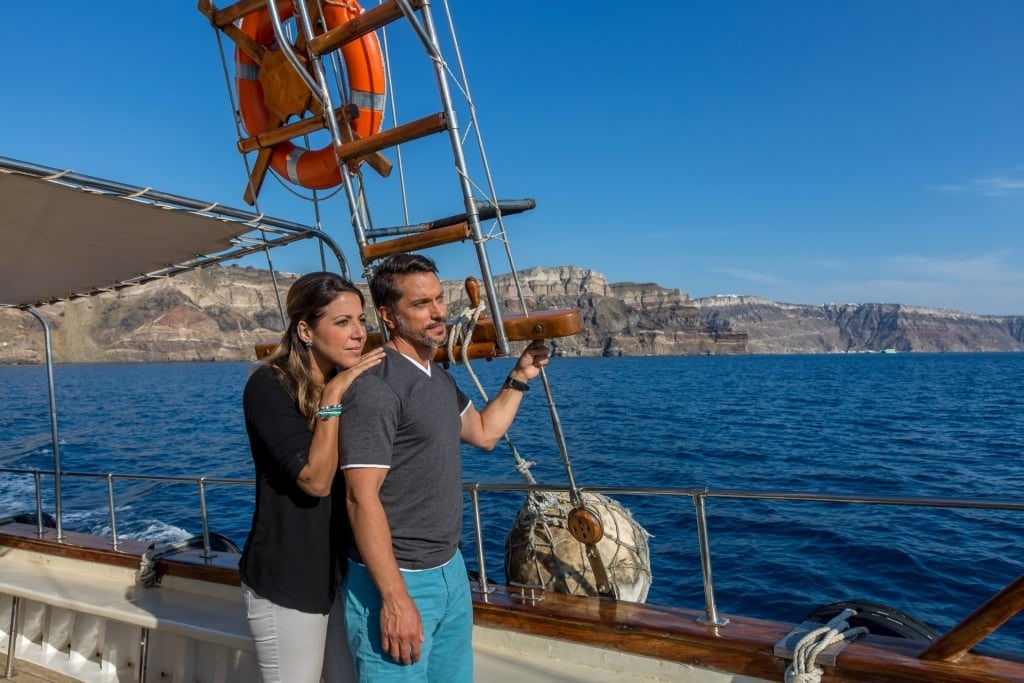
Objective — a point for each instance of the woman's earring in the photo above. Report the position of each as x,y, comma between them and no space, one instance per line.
308,344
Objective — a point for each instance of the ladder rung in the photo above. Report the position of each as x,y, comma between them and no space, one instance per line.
227,16
225,20
420,128
289,131
367,22
485,210
423,240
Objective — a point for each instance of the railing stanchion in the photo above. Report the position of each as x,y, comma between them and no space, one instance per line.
207,552
711,612
12,636
39,503
484,588
113,514
141,672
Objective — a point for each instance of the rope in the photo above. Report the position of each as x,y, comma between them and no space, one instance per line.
142,193
802,669
156,552
461,335
540,550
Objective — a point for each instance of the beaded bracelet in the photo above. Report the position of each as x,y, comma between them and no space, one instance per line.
327,412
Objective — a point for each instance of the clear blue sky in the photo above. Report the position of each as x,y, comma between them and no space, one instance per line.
806,152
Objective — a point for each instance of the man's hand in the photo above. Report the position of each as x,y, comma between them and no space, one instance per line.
401,629
534,357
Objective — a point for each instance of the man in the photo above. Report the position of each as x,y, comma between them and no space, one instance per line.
408,609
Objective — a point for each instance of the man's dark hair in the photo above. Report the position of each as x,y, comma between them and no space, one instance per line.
382,283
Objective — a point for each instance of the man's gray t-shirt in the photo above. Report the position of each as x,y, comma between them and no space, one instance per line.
399,417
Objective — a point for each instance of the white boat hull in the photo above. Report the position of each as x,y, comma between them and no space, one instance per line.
94,623
90,621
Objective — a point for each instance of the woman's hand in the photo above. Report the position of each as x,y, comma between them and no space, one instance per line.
340,383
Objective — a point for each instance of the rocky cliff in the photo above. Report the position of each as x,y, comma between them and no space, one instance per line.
220,313
620,319
847,328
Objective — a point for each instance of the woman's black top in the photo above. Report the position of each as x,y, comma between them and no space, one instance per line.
294,555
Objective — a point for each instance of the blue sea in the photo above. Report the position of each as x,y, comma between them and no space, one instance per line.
938,425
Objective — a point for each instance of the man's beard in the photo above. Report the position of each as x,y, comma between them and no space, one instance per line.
416,336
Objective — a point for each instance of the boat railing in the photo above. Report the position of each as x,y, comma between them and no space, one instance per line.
110,478
698,496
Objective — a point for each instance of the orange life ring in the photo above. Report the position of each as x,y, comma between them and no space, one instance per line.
314,169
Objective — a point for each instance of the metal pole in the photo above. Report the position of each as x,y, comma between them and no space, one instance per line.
12,636
323,93
207,552
113,515
711,612
428,36
556,426
53,421
474,494
39,504
140,672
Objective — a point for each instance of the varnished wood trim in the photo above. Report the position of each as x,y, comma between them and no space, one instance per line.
231,13
660,632
188,564
550,324
276,136
518,327
422,127
996,611
367,22
743,646
416,242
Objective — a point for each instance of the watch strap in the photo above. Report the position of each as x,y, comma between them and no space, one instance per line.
512,383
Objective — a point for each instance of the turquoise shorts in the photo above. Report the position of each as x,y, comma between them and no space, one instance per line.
446,608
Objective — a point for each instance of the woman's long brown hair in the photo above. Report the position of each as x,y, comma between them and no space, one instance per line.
307,299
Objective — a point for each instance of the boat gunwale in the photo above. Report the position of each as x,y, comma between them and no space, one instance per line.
743,646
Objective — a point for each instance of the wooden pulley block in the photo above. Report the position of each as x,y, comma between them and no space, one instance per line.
584,525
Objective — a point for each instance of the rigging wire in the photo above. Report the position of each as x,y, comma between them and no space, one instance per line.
463,83
461,335
393,105
237,118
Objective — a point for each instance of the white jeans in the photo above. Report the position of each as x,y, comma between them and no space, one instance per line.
299,647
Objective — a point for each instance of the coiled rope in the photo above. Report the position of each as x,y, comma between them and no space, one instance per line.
802,669
157,551
148,576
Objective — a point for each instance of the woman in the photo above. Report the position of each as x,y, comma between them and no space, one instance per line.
290,567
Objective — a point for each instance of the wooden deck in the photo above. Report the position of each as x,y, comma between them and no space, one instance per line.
27,672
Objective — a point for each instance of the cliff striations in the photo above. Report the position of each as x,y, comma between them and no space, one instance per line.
849,328
221,313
